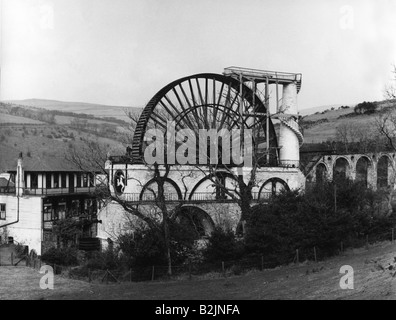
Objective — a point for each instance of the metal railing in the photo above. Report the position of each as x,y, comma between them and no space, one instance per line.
195,197
263,73
7,190
57,191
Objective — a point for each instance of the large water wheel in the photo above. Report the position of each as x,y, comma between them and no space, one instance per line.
204,101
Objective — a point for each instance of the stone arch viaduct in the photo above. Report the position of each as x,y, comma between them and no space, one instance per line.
376,170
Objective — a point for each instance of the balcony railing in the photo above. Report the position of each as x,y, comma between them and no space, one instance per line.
7,190
46,191
196,197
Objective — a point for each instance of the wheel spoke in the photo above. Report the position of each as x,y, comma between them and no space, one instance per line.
211,101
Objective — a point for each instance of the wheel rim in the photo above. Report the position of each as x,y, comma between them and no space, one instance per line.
202,101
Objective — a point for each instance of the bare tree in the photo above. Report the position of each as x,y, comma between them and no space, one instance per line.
356,137
386,126
92,156
343,135
390,89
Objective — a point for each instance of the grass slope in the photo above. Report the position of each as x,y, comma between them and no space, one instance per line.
373,279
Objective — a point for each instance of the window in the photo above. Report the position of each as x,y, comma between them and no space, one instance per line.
89,206
63,177
75,207
48,212
78,180
2,211
56,181
91,180
33,181
85,180
48,180
62,210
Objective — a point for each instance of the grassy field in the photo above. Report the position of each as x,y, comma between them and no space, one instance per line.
324,131
373,279
7,118
98,110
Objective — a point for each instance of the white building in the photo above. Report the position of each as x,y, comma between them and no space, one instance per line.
38,192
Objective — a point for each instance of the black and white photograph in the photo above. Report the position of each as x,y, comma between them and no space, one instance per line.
197,154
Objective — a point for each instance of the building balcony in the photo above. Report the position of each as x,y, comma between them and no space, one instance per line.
49,192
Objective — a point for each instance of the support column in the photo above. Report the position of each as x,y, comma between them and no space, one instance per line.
289,152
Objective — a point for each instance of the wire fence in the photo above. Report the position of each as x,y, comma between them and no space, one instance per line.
217,269
191,269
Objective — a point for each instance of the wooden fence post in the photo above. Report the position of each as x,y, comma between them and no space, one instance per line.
297,256
367,243
393,234
152,273
130,275
315,254
342,246
189,270
222,268
12,258
262,262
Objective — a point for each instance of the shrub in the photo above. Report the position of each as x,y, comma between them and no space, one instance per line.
223,245
103,260
302,221
66,256
365,108
145,247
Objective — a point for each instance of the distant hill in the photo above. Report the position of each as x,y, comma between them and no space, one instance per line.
98,110
322,125
305,112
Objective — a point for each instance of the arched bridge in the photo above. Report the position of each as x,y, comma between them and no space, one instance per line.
376,170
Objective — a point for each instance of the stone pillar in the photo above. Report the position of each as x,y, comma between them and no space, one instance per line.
351,168
372,176
288,141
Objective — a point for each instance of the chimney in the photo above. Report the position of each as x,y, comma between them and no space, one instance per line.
20,176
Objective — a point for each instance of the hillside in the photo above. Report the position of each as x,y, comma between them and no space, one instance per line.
48,136
48,128
97,110
322,126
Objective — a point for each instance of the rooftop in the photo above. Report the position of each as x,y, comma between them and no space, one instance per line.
43,164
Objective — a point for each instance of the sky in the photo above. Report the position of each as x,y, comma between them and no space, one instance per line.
121,52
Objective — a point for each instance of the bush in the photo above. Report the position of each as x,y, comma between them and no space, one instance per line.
365,108
61,256
107,259
223,245
302,221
